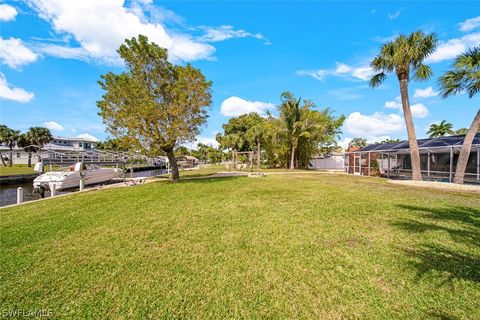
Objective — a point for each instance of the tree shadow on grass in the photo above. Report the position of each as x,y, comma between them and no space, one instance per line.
462,224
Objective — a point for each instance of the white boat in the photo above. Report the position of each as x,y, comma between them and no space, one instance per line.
92,174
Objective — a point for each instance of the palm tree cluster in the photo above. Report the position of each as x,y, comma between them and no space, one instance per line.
31,141
405,56
444,128
288,140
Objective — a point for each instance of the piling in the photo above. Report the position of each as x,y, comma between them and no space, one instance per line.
82,184
53,191
19,195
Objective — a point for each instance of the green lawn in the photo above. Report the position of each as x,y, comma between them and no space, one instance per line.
15,169
316,246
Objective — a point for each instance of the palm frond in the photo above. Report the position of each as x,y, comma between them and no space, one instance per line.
422,72
377,79
451,83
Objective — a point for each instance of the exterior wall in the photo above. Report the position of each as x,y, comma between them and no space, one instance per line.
329,162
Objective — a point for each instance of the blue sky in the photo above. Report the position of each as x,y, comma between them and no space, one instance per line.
52,53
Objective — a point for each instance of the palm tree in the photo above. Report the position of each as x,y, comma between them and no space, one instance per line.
439,130
290,112
465,77
257,135
3,138
9,138
404,56
11,142
33,140
234,142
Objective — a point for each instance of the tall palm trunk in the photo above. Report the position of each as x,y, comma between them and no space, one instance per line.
173,164
292,158
465,152
10,160
3,160
29,163
412,138
258,154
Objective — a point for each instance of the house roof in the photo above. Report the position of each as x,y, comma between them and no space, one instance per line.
430,143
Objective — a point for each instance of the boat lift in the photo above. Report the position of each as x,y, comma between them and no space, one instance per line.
121,159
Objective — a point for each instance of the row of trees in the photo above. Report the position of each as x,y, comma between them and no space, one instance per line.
444,128
289,140
204,153
404,56
31,141
156,107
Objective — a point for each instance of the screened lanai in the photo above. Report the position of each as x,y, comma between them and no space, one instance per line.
438,157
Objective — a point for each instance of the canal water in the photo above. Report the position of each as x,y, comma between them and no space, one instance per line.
8,193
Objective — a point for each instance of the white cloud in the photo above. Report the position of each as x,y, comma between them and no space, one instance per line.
209,141
14,53
63,52
344,142
101,26
225,32
363,73
52,125
470,24
8,92
425,93
235,106
452,48
394,15
317,74
88,136
7,12
419,110
374,125
342,68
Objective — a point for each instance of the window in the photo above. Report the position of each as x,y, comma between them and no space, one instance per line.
18,155
80,144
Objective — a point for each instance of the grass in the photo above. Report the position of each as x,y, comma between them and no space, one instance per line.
286,246
15,169
202,172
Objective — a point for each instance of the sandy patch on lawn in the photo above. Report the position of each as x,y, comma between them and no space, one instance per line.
439,185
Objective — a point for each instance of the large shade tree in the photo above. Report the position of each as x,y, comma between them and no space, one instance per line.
441,129
238,135
405,57
464,77
155,104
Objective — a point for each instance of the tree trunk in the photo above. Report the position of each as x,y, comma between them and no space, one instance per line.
466,148
10,160
3,160
233,158
258,155
29,163
412,138
173,164
292,158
